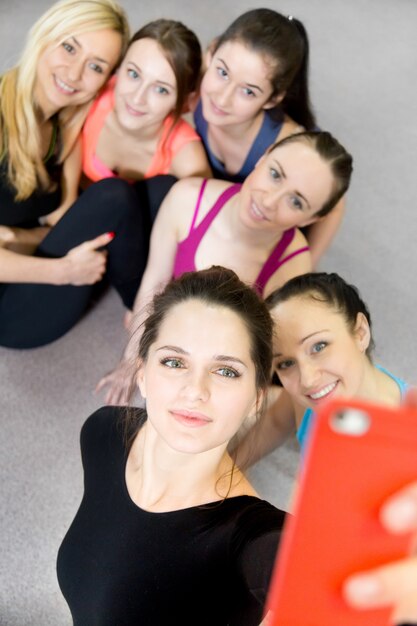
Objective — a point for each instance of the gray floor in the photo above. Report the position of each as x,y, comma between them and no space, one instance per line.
364,68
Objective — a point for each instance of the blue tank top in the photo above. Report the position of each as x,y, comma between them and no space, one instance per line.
267,135
302,432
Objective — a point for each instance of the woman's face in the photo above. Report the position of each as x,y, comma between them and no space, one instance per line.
146,87
71,73
316,354
286,189
199,378
236,85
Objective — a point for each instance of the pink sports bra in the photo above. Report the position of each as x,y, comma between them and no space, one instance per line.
187,248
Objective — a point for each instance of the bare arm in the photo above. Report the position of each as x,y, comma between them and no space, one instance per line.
22,240
191,160
71,174
166,233
321,233
273,428
83,265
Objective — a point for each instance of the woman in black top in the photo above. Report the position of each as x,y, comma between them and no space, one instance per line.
169,531
47,274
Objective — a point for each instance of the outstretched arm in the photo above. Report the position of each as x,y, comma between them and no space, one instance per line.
166,233
272,429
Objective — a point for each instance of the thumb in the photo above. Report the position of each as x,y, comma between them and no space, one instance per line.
98,242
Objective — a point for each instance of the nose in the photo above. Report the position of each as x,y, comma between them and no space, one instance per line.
139,95
75,70
309,375
195,387
224,95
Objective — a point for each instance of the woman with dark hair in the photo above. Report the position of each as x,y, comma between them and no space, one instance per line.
135,128
255,92
322,348
169,530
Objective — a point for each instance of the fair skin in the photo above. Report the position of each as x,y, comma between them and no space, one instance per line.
235,92
145,94
317,356
273,198
68,73
199,384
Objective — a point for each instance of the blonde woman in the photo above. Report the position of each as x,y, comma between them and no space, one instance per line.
46,275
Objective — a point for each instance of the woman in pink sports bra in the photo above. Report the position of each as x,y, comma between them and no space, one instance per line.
251,228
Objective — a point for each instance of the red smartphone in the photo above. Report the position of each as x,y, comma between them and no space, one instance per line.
357,455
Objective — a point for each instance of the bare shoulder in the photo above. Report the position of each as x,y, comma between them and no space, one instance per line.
289,127
295,261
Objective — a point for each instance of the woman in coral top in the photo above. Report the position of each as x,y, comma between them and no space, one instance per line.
135,129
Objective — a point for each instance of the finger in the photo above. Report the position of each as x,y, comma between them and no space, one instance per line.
101,240
393,584
102,383
399,513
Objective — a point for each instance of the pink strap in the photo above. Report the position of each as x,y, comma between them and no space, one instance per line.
290,256
197,206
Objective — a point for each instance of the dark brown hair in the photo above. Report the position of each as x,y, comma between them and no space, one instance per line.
182,50
283,41
331,289
331,151
220,287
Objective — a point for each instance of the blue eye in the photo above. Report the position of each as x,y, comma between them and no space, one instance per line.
221,72
172,363
248,92
161,90
68,47
284,365
228,372
274,173
296,202
319,347
96,68
132,74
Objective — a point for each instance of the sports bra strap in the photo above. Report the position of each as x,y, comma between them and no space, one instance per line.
197,206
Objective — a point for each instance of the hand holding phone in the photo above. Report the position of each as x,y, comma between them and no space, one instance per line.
358,455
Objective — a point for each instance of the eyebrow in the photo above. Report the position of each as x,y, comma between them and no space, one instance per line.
216,357
316,332
247,84
284,176
77,43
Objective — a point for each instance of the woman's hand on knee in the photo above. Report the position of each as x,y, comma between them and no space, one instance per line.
86,263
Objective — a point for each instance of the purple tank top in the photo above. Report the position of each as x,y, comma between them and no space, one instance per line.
187,248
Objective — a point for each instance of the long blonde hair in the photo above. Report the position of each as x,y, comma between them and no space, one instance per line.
20,140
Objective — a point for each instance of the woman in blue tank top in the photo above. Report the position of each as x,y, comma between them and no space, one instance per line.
322,349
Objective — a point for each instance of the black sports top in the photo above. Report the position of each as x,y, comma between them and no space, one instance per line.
26,213
121,565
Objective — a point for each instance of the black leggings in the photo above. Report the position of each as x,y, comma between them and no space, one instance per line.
33,315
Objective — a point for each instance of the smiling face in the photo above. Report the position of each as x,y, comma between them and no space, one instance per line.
199,377
236,85
316,354
70,73
146,87
286,189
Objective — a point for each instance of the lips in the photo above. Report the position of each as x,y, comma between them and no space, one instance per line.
256,213
192,419
217,110
324,392
132,111
64,87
